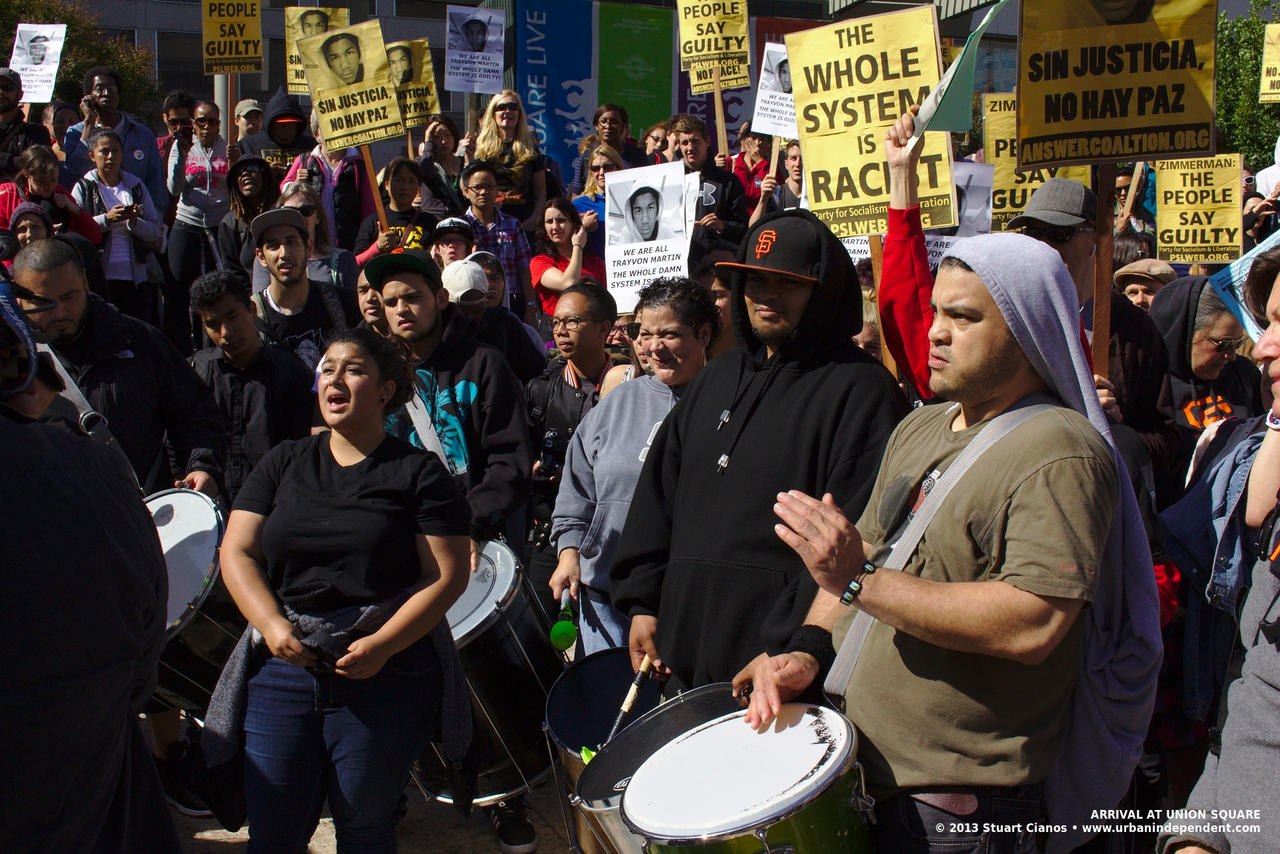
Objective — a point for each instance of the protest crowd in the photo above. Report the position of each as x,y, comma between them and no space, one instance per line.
330,482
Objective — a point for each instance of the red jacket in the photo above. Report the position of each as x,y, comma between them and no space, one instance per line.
906,286
81,222
750,178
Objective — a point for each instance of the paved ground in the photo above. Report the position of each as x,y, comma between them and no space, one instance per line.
433,827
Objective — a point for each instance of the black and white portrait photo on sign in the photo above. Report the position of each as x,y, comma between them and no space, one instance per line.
646,233
37,52
400,62
474,47
775,109
775,70
344,57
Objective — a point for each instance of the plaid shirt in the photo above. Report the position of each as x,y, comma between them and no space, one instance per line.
506,239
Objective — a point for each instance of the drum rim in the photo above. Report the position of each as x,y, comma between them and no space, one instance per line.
172,630
546,711
765,822
499,605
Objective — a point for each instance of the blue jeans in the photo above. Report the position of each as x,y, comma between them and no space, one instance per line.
907,825
308,737
600,626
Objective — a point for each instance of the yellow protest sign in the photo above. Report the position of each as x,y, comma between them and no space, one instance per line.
1013,186
415,77
711,32
1269,84
1114,80
1198,214
299,23
850,81
351,88
734,74
232,37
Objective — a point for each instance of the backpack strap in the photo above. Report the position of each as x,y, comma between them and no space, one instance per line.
333,306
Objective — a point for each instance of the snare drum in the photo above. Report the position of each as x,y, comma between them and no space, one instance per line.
727,788
202,622
510,665
602,782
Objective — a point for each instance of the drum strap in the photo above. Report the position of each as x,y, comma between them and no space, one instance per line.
838,678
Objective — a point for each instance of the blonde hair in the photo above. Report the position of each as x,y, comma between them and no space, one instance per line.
592,188
489,140
322,244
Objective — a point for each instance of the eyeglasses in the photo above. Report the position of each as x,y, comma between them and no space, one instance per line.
482,188
1225,345
570,323
305,210
506,107
106,89
176,123
1054,235
603,167
632,330
1122,190
605,121
1249,180
204,121
657,137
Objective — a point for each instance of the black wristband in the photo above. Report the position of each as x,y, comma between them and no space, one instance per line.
815,641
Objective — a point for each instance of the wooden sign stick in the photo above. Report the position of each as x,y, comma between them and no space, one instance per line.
373,182
408,136
1102,236
722,132
1135,189
778,142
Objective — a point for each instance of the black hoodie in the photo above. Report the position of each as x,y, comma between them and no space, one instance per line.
698,550
1196,403
477,407
263,144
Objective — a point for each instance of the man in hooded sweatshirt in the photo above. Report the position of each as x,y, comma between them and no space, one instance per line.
980,673
706,583
284,135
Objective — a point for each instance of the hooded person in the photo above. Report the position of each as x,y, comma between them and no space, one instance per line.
284,134
644,215
1207,381
796,406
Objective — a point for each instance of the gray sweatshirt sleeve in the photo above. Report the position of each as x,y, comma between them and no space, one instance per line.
576,500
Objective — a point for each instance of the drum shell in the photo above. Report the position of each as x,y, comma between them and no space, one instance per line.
193,658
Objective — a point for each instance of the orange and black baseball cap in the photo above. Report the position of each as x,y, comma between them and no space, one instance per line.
786,245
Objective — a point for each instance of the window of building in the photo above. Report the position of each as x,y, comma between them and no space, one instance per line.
180,63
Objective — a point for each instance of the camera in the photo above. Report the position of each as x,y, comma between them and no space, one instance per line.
551,454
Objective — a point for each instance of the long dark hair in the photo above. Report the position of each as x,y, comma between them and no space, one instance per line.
565,207
387,354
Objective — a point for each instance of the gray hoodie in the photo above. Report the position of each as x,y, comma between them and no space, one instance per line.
601,470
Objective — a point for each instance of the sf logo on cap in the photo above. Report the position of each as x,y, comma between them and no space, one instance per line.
764,243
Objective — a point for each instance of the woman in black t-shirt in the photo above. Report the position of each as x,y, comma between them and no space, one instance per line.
344,550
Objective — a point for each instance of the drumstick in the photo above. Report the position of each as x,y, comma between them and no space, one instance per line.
646,667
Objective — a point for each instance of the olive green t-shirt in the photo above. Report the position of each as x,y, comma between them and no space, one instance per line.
1035,512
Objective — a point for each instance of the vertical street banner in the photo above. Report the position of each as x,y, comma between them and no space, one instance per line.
633,48
553,74
37,52
1013,186
1198,217
645,234
301,22
1269,82
775,105
474,49
1114,80
232,36
414,75
714,33
851,80
351,87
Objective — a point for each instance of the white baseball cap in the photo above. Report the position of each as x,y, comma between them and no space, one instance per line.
466,282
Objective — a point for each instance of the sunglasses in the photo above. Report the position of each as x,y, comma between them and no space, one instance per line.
507,107
632,329
604,167
1249,180
204,122
177,123
1225,345
306,210
1054,235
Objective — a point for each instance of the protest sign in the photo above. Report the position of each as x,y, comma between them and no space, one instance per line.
851,80
409,63
1114,80
645,234
1198,215
973,182
1269,82
232,36
936,245
1013,186
714,33
473,50
37,52
301,22
775,105
1229,283
351,88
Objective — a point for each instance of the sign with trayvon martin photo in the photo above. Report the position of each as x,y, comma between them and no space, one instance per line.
1013,186
301,22
36,55
1269,80
351,88
1198,209
474,49
646,234
232,36
851,81
1114,80
775,112
714,32
409,63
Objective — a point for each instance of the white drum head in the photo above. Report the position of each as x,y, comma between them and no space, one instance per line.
190,529
724,779
491,584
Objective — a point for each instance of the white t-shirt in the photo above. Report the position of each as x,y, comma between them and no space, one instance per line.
117,261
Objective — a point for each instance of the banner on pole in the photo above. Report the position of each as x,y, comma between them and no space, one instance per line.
1198,209
414,75
351,87
851,80
301,22
1013,186
1106,82
232,36
775,105
37,53
714,33
474,49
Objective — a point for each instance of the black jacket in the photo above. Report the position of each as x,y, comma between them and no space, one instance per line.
15,138
722,194
263,144
698,549
499,327
130,373
1138,362
556,408
477,408
268,402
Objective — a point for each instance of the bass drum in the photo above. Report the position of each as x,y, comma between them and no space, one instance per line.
202,622
510,665
602,782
